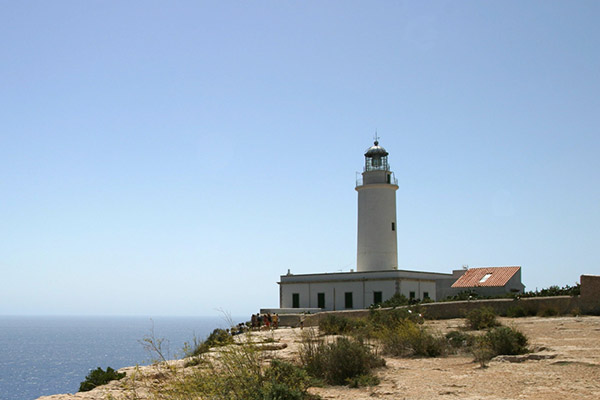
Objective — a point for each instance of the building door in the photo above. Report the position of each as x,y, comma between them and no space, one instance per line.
295,300
348,299
377,297
321,300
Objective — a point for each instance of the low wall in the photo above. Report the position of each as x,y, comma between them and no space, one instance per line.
281,311
531,305
587,302
458,309
292,320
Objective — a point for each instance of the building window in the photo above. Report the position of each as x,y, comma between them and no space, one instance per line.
321,300
295,300
412,295
348,299
485,278
393,226
377,297
425,295
389,178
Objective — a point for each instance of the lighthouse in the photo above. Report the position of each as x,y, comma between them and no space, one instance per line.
377,239
377,277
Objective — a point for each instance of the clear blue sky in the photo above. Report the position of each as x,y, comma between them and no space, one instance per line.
173,158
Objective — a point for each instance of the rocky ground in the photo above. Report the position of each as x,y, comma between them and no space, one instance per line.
565,364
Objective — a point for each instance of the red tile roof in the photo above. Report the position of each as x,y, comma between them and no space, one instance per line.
499,276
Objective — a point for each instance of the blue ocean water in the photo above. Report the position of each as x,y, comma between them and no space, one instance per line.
49,355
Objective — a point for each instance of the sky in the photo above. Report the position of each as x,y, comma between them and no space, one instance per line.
176,158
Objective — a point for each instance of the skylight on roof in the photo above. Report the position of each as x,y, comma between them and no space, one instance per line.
485,278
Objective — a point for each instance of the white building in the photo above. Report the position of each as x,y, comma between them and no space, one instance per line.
353,290
377,277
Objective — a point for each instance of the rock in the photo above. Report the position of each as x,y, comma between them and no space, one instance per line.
271,346
524,357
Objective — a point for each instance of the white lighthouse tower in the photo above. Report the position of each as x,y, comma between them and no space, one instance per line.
377,240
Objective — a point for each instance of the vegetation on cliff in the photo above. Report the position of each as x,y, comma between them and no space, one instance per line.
344,351
99,377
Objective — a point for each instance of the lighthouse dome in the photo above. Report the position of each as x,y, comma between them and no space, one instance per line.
376,151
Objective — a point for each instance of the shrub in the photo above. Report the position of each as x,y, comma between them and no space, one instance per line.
396,300
482,351
555,290
515,312
548,312
482,318
333,324
99,377
458,339
217,338
506,340
410,339
238,373
338,361
362,381
285,381
380,319
464,295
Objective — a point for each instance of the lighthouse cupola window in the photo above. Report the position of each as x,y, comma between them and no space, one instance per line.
376,158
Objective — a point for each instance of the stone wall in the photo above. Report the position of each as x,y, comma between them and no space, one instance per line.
531,306
458,309
292,320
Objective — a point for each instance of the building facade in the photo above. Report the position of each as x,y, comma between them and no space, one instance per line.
355,290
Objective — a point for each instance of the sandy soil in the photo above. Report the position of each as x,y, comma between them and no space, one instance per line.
574,373
569,368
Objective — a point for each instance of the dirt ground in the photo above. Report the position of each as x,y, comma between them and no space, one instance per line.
571,371
574,373
567,366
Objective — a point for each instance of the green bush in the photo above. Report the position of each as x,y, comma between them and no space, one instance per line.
99,377
482,351
362,381
516,312
482,318
464,295
410,339
548,312
396,300
218,337
555,290
238,373
285,381
338,361
506,340
457,339
333,324
380,319
502,340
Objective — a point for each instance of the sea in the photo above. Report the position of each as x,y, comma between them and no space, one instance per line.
45,355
